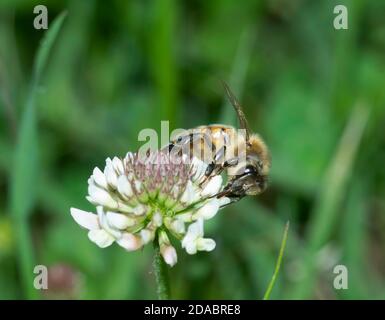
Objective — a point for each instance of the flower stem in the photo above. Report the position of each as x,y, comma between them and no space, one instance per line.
161,275
279,261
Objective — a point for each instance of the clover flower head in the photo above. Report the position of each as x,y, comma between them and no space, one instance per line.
151,196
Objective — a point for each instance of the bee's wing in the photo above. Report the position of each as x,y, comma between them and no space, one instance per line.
238,109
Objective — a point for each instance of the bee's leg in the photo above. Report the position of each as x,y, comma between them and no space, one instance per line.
210,168
215,167
229,193
230,163
232,200
218,168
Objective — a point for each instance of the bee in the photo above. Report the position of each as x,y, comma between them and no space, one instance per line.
242,154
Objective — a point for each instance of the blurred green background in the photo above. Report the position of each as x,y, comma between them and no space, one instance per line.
316,94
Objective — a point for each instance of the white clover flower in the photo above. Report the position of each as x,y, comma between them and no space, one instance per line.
193,241
142,198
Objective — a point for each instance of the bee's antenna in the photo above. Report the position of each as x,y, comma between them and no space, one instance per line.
238,109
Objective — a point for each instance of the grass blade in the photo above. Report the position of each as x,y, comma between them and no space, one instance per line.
279,262
163,59
25,167
45,48
325,212
354,242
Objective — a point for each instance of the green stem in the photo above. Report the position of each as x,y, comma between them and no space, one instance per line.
278,265
161,276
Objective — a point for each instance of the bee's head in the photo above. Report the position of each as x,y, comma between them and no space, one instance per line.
250,175
250,181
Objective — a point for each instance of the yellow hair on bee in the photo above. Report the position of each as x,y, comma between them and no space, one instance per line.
258,147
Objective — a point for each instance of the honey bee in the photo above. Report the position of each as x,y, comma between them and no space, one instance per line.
242,154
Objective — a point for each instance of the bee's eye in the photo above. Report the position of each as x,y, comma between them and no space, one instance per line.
249,169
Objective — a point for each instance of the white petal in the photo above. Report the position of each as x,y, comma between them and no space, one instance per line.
129,156
146,235
188,242
139,210
157,219
91,180
196,194
103,222
205,244
138,185
118,165
86,219
102,238
124,186
169,255
89,199
186,217
212,187
110,173
129,242
99,178
194,233
199,168
118,220
101,197
190,247
196,229
209,210
187,195
177,226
